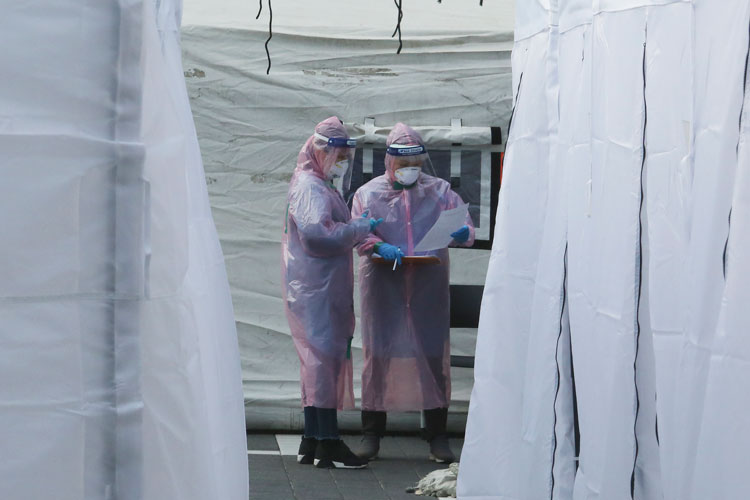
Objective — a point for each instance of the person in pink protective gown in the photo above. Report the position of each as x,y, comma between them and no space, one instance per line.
406,312
317,261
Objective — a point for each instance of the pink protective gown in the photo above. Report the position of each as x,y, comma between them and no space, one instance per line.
317,244
405,313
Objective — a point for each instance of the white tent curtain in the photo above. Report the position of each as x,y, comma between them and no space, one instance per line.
117,341
620,317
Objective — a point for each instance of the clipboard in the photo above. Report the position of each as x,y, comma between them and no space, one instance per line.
416,260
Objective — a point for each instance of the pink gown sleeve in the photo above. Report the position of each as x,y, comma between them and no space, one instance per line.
366,246
319,234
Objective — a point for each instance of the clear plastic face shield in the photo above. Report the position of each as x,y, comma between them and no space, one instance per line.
338,159
408,162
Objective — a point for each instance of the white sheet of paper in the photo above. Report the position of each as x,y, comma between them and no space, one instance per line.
439,235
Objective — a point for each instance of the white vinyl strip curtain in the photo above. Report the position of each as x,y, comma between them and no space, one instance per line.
118,351
613,358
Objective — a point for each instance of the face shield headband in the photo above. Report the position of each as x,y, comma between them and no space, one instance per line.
400,150
337,142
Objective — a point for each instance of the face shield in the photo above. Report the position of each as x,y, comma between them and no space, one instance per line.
408,162
336,157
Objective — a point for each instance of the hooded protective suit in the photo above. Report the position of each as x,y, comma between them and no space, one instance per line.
317,266
405,313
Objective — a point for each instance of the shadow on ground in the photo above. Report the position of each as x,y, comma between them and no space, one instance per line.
276,475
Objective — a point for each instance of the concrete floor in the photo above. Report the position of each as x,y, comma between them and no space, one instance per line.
276,475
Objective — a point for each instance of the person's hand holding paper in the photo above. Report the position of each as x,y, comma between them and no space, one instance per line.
462,235
440,234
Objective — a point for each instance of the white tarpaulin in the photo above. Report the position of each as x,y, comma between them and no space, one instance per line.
612,358
331,58
117,343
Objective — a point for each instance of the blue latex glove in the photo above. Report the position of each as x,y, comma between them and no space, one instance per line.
373,222
389,252
462,235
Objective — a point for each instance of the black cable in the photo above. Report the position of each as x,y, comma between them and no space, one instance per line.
513,109
270,30
270,35
739,139
656,427
563,299
640,285
726,245
576,421
744,88
398,24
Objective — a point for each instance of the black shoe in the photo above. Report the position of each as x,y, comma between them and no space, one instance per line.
440,450
369,447
306,453
335,454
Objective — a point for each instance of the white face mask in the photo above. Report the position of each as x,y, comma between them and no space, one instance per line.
406,176
338,169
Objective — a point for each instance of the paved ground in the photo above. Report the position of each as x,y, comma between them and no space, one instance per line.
276,475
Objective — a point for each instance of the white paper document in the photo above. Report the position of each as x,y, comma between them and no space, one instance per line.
439,235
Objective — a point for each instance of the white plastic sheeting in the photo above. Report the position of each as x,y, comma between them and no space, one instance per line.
612,359
117,341
328,59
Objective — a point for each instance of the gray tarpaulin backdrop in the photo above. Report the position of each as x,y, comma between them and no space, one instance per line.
326,60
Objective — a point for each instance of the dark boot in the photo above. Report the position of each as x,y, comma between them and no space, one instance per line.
436,433
440,450
373,428
335,454
369,446
306,453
